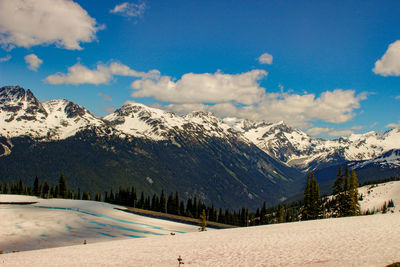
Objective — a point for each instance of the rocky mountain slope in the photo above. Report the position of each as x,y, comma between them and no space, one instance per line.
136,145
224,161
299,150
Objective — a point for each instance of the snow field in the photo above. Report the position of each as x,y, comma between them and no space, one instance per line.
375,196
351,241
63,222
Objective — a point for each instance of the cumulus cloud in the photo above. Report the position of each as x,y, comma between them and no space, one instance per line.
389,64
339,133
393,125
79,74
129,9
123,70
6,58
102,74
296,109
33,61
203,88
265,58
318,130
26,23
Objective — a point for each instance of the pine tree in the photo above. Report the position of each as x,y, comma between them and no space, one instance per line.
338,185
316,203
36,187
312,208
354,208
20,187
62,187
46,188
6,188
306,211
163,202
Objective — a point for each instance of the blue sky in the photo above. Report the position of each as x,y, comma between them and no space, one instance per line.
330,68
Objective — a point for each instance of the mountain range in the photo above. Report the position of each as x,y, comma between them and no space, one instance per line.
227,162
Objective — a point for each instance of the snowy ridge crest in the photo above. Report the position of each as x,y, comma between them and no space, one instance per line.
297,149
22,114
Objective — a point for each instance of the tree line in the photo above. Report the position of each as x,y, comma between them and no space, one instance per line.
343,202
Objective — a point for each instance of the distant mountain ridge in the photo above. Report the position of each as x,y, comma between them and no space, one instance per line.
226,161
299,150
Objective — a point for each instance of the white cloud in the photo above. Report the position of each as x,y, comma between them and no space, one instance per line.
389,64
318,130
397,97
80,74
265,58
203,88
123,70
26,23
129,9
6,58
295,109
33,62
340,133
393,125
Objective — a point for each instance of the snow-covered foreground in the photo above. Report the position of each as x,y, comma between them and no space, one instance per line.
352,241
61,222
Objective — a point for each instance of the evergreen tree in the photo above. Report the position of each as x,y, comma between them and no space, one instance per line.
312,208
354,208
6,189
36,187
163,202
46,189
263,214
182,208
345,202
306,211
20,187
62,187
176,203
140,203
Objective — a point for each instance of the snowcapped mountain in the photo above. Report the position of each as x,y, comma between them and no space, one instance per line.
22,114
389,159
297,149
196,155
145,122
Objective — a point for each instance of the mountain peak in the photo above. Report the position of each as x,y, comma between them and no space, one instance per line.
18,103
15,93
